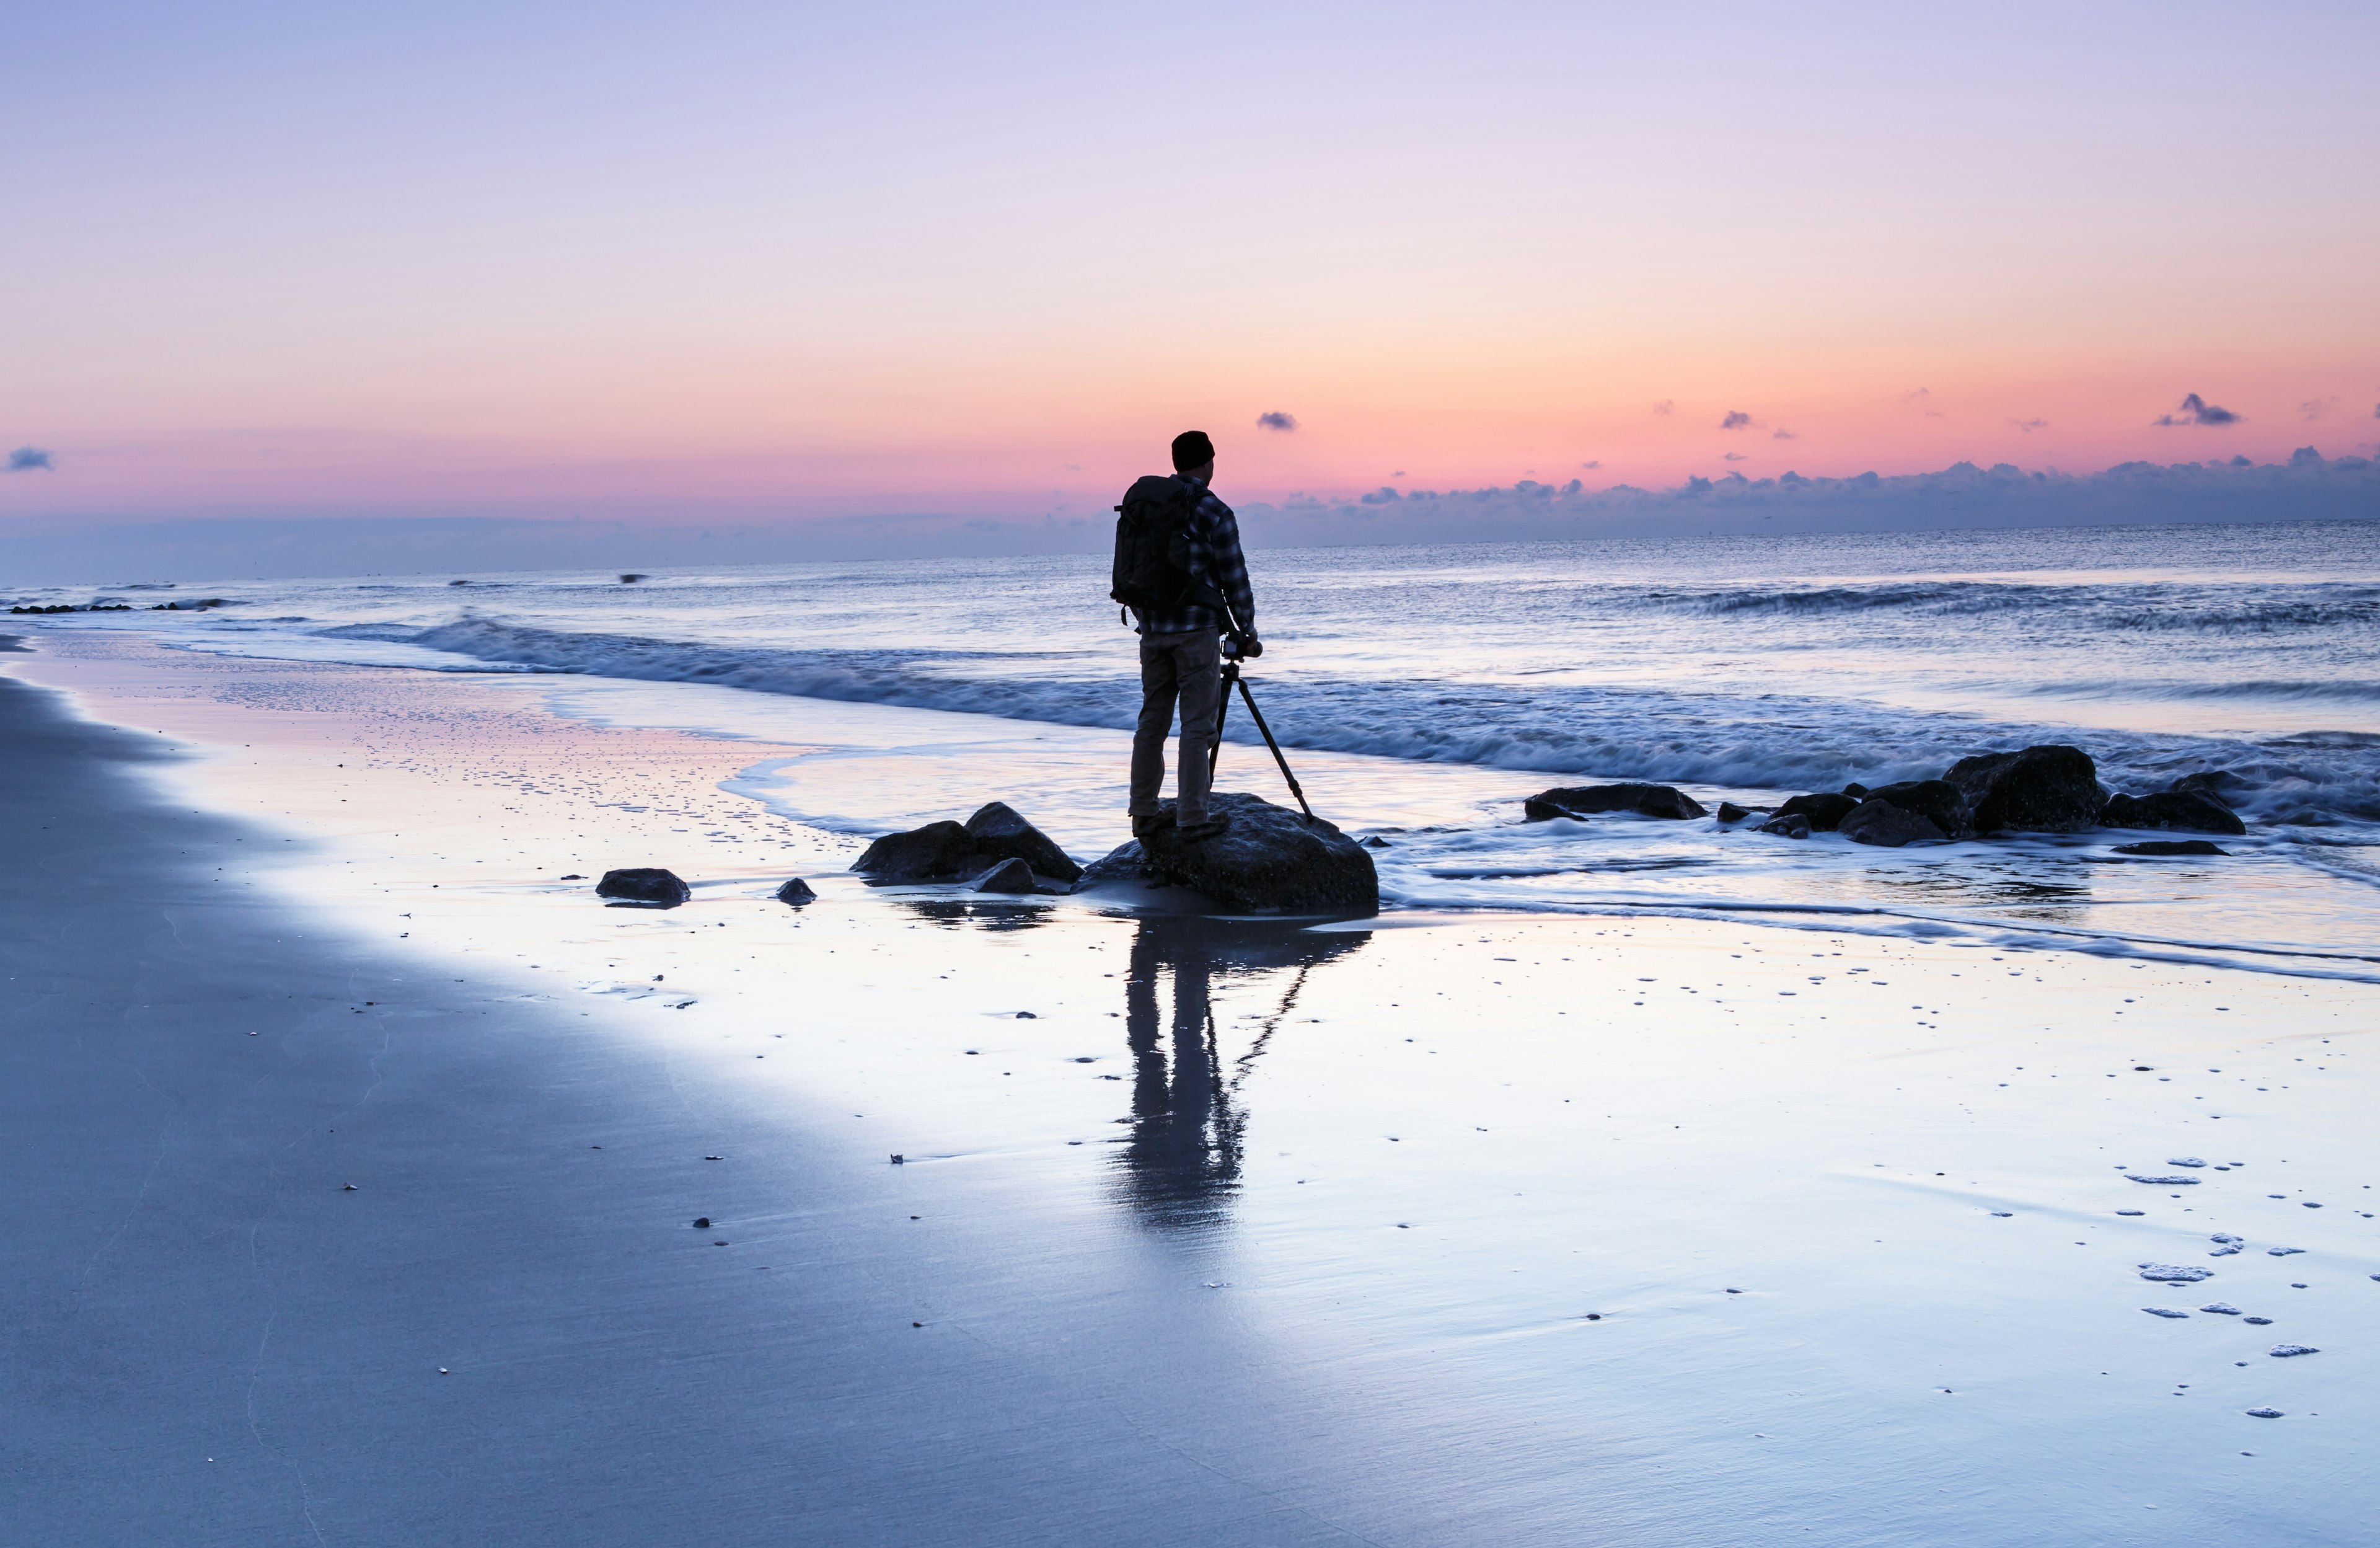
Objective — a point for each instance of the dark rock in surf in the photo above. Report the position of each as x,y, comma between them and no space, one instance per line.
796,892
1790,826
1937,801
1821,811
1580,800
648,885
1376,842
2216,784
1266,859
937,852
1877,821
1857,792
1010,877
999,832
2041,789
2173,847
2172,812
1731,812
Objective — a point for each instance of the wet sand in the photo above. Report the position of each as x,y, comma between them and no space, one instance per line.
1428,1229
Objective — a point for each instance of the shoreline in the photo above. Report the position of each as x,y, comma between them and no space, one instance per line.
1422,1229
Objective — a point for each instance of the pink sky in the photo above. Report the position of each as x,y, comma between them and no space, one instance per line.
543,260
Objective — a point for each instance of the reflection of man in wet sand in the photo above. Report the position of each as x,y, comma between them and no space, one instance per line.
1182,1164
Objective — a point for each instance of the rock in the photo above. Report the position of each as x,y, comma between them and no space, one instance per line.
1821,811
1793,826
1578,800
2173,847
2172,811
955,853
1266,859
1877,821
1376,842
999,834
649,885
1010,875
2216,784
1731,812
1857,792
1937,801
2041,789
796,892
937,852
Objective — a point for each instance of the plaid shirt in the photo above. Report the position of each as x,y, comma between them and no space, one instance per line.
1216,561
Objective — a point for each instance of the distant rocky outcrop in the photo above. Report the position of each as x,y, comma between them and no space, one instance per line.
950,851
2172,811
1266,859
1581,801
648,885
1821,811
2041,789
1878,821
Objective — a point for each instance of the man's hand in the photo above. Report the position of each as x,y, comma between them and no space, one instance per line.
1242,646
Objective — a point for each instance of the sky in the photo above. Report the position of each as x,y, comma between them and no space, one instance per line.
802,266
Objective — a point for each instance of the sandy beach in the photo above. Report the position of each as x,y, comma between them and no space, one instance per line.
357,1152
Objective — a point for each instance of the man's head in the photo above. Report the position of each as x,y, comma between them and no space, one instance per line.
1194,454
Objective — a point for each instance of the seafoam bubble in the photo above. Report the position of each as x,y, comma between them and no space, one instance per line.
2163,1311
2283,1252
2164,1182
2177,1273
2221,1309
2264,1413
2183,1161
2289,1351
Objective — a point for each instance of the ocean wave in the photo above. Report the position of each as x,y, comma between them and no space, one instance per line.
1756,743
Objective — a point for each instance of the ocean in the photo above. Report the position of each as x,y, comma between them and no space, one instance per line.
1422,691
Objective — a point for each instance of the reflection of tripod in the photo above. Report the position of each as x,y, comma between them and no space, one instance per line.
1215,753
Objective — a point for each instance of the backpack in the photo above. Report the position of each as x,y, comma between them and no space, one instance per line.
1152,547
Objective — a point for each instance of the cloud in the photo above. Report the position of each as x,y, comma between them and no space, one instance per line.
1397,474
1737,456
1736,420
1590,465
2029,426
1667,406
1917,395
1275,420
2195,410
2376,411
26,459
1782,435
2315,407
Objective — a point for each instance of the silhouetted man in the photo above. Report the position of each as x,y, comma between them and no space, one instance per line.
1182,637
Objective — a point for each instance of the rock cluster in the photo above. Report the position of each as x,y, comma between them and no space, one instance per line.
965,851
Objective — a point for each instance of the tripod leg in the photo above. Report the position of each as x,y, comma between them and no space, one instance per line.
1294,789
1222,713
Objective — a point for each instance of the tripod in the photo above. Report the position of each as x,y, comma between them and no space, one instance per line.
1223,711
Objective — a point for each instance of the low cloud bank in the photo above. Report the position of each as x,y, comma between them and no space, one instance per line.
2308,487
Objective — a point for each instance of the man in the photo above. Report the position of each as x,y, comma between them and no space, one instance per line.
1181,652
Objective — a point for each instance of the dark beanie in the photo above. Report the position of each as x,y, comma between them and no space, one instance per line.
1192,449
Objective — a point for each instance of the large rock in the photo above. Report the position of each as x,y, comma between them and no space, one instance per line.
1877,821
2172,812
1790,825
2041,789
960,852
998,832
2173,847
937,852
1580,800
1821,811
1011,875
1937,801
2216,784
1266,859
647,884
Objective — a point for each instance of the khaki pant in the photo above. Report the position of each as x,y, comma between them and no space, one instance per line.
1188,667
